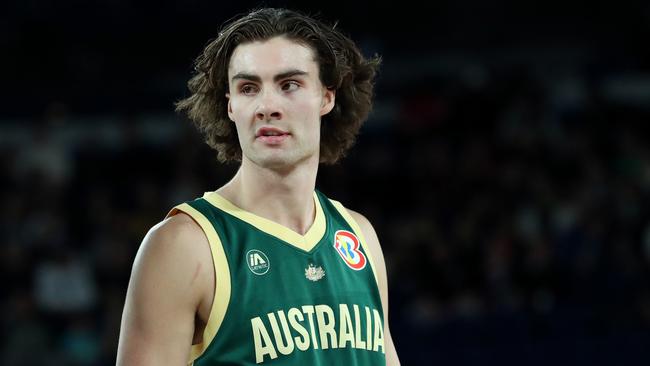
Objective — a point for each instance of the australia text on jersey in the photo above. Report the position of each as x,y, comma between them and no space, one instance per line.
342,331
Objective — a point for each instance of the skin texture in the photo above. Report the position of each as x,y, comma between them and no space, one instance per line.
274,88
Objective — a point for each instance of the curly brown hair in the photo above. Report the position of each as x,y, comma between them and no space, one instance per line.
342,68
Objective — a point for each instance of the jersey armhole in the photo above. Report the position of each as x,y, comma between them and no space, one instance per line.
357,229
222,280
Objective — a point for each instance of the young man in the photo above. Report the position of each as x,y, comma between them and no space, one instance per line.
266,270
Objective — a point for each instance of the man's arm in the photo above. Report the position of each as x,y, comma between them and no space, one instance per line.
380,266
172,273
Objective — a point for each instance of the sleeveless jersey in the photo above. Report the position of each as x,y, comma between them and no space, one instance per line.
282,298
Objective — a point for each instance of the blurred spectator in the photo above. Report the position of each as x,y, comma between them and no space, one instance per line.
64,284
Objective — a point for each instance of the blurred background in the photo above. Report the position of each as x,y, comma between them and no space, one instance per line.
506,169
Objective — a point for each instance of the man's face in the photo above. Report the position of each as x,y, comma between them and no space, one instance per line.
276,100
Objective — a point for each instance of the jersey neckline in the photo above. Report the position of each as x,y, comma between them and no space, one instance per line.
305,242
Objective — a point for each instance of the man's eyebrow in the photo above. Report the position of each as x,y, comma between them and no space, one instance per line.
278,77
288,74
245,76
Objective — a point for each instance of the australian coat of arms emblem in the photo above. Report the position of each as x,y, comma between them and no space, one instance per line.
314,273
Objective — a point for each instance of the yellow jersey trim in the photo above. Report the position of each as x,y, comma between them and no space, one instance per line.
222,280
304,242
357,229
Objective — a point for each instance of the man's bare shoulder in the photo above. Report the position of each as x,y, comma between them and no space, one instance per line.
178,245
180,229
175,235
365,225
369,232
360,219
170,280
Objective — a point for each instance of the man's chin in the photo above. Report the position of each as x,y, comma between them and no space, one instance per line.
274,161
280,162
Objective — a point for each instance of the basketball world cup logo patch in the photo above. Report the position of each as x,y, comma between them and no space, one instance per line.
347,245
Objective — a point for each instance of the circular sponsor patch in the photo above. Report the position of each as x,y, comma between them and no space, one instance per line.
257,262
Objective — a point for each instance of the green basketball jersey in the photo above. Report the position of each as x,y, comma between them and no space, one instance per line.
282,298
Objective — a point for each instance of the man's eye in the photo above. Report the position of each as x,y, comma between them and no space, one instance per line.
248,89
290,85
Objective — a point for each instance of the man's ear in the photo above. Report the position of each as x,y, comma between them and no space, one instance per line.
230,108
329,99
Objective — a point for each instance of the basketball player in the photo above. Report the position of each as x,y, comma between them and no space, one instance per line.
266,269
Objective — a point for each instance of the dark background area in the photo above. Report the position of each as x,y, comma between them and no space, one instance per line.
506,169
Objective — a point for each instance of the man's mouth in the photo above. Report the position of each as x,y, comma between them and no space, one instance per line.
271,135
270,131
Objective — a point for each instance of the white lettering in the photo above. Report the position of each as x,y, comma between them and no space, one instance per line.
326,328
379,333
287,348
296,328
345,330
368,329
309,310
358,342
294,317
260,334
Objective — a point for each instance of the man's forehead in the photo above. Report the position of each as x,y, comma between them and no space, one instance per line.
271,57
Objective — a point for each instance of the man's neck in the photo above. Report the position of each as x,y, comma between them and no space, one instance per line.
282,196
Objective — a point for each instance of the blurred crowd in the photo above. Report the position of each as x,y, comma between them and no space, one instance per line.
513,211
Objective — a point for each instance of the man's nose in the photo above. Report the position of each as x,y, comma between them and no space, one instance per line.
269,106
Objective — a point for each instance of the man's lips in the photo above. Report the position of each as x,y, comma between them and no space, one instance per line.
271,135
270,132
